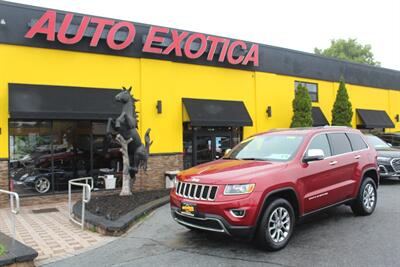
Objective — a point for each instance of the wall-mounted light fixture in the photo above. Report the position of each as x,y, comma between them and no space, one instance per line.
397,118
159,106
269,111
3,22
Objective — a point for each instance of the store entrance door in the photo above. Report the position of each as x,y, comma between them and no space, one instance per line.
204,144
210,146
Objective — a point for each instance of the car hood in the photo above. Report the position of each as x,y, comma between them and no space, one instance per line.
230,171
388,152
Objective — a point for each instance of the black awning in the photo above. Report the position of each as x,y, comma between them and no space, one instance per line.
203,112
318,117
27,101
374,119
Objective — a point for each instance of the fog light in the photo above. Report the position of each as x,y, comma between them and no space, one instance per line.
238,213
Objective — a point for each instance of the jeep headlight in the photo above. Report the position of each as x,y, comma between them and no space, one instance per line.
239,189
383,159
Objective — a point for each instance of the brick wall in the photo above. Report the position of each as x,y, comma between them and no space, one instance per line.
3,182
154,177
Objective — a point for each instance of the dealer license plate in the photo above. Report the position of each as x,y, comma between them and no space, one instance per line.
188,208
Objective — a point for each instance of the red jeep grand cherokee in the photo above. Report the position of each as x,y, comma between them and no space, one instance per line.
270,180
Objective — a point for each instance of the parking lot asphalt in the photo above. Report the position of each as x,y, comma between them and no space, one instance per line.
333,238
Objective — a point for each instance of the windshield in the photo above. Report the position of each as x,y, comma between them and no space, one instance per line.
377,142
271,147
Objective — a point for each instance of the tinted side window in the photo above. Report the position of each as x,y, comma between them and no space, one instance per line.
356,141
321,142
396,140
340,143
386,138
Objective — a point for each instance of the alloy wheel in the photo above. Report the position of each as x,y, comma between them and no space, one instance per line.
42,185
369,197
278,227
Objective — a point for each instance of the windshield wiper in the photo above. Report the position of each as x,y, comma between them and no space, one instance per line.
229,158
251,159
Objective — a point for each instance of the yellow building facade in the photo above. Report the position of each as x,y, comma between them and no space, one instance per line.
266,87
154,80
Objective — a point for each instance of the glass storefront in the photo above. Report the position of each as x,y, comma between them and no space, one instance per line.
45,155
204,144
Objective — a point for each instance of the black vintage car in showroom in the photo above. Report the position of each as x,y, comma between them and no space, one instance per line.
388,157
40,179
45,172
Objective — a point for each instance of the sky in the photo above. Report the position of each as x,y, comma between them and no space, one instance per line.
299,25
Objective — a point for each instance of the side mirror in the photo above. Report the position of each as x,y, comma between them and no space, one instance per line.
389,144
314,155
227,151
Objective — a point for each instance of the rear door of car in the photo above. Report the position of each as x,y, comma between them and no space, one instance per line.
360,155
344,162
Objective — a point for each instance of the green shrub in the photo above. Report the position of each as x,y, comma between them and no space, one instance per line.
342,112
2,250
302,116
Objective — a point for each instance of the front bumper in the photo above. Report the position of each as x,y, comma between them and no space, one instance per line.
216,216
212,223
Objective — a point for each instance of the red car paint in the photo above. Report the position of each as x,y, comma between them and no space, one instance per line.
317,184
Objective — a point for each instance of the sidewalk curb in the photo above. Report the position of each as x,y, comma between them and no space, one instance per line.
118,227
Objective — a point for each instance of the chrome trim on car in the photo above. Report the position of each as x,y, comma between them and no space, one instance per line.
223,230
332,132
397,168
384,170
197,187
237,216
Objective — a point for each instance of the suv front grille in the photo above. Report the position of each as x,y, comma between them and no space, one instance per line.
396,164
196,191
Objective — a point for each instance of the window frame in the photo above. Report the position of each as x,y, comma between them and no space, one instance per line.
305,85
327,139
330,144
332,148
362,139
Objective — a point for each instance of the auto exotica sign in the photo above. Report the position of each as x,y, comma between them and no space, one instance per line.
181,43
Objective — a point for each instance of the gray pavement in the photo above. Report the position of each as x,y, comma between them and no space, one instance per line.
333,238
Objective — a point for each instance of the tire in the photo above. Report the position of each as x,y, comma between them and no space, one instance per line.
279,213
42,185
366,200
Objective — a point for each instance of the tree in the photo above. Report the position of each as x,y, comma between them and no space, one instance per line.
126,177
302,116
349,50
342,112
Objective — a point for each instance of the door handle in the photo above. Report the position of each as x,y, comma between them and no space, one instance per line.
357,156
333,162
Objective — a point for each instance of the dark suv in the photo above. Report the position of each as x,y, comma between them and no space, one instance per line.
269,181
388,157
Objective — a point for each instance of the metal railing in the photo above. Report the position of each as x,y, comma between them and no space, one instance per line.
86,194
14,208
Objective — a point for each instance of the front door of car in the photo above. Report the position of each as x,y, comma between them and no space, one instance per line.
317,176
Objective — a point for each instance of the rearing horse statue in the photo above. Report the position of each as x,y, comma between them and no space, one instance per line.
126,126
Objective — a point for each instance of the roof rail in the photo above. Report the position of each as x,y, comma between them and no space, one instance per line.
336,126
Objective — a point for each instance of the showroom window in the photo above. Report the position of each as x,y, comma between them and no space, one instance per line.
311,87
46,154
